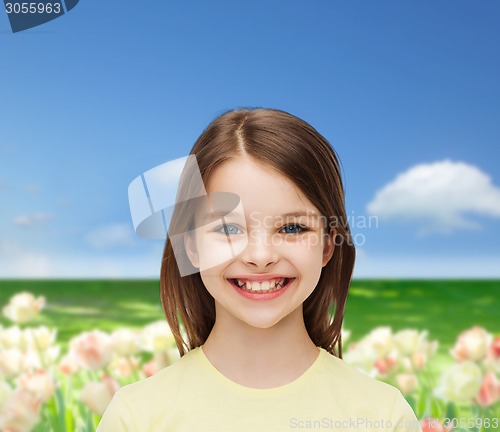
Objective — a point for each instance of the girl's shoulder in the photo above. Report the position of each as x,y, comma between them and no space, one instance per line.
341,374
362,394
163,383
141,406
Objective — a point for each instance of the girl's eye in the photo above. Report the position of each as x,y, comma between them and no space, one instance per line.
294,229
228,229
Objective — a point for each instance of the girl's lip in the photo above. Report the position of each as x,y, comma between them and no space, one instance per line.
261,277
261,296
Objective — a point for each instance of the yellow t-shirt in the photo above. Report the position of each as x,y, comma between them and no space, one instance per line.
191,395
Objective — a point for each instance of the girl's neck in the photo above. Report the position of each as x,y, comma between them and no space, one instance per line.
260,358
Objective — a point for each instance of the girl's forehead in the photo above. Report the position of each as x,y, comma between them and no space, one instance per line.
259,188
262,205
245,176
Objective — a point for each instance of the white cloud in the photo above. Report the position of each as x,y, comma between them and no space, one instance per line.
438,195
32,220
111,236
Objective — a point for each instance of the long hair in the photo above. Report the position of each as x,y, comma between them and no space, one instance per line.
293,147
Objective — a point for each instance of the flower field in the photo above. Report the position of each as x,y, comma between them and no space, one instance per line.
65,350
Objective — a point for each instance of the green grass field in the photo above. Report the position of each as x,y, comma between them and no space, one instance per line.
444,307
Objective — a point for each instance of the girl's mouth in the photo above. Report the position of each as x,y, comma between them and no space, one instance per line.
265,287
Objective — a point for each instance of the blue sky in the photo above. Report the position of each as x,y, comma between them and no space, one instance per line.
407,93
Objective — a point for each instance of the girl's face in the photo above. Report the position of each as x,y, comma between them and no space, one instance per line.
275,237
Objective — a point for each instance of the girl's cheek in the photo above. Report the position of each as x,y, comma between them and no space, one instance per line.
217,250
305,242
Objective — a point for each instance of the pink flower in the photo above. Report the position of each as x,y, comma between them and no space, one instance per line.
21,412
381,366
150,368
69,364
386,365
93,349
419,360
124,366
492,360
406,382
472,344
40,384
489,392
495,348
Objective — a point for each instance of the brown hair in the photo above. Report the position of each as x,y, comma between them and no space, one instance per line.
293,147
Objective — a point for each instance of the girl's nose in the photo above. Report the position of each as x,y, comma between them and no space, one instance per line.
260,250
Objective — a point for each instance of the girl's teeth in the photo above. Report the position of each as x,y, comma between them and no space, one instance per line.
257,286
273,285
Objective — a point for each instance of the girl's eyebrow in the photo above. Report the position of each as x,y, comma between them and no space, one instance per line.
300,213
218,214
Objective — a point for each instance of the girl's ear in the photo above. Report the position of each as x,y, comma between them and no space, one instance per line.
328,247
191,252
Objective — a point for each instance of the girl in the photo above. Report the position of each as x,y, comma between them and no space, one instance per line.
273,258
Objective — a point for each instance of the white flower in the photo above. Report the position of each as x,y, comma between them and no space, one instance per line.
126,342
381,340
460,382
41,338
42,359
12,362
157,337
408,340
23,307
362,356
415,346
492,364
12,337
406,364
